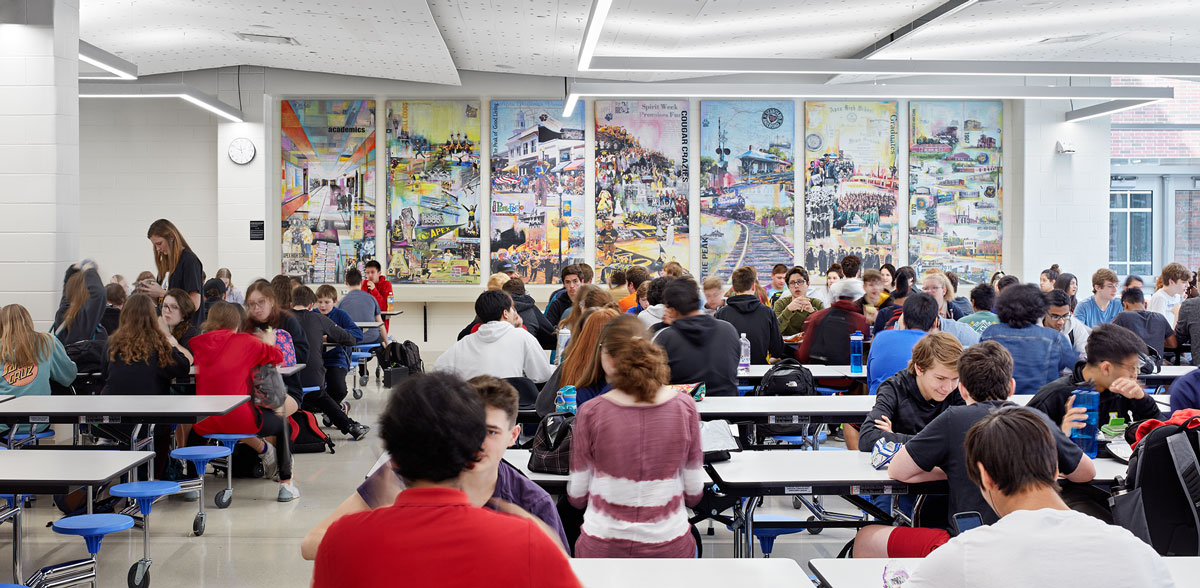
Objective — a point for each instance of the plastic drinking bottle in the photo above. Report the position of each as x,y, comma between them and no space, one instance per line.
564,401
744,362
856,359
564,337
391,300
1086,437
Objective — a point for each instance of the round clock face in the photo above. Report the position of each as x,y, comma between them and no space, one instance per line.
241,151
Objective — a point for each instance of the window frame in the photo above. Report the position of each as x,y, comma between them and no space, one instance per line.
1129,210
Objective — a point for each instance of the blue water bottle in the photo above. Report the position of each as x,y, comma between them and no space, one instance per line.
856,346
1085,437
564,401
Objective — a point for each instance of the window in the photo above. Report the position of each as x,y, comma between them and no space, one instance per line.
1187,227
1130,232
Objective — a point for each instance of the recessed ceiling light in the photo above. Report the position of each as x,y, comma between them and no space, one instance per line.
1067,39
273,39
502,66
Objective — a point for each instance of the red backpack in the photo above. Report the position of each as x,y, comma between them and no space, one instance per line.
306,436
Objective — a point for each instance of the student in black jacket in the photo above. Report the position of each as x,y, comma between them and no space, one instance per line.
911,399
749,315
115,295
81,305
535,322
699,347
319,330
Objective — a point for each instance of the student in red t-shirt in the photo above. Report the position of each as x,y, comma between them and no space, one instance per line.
377,286
433,427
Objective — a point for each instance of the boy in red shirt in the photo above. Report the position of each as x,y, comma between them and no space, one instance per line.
433,428
377,286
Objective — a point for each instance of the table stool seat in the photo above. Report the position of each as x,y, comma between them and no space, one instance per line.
92,527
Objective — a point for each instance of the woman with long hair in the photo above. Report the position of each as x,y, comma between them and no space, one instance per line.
29,360
282,286
576,367
177,312
588,296
1067,283
889,276
177,265
611,466
232,294
81,306
936,284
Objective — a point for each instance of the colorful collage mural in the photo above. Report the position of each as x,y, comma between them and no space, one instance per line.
328,202
852,192
954,188
747,186
642,204
433,192
537,188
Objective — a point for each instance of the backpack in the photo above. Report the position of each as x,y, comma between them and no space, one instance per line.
305,435
1160,498
245,462
786,378
266,387
283,340
831,342
551,450
399,360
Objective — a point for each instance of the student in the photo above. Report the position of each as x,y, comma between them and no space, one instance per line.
319,330
143,357
499,348
714,297
580,366
115,295
232,294
587,296
496,281
1100,308
936,453
850,265
891,351
983,300
699,347
751,317
889,276
778,283
1185,391
635,498
827,332
378,286
1152,327
875,296
225,358
1005,282
653,314
643,299
1067,283
337,365
616,285
81,305
120,280
1112,368
793,310
959,302
587,273
434,533
177,264
1058,317
936,284
1187,327
531,316
634,277
561,303
1010,458
1133,282
177,311
282,286
1047,277
912,398
906,278
214,292
362,307
832,275
1039,354
29,360
673,269
1165,301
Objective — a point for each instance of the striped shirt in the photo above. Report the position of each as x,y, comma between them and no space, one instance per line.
636,468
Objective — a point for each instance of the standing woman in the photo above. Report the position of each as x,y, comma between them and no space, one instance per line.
177,313
231,294
81,306
1067,283
636,497
177,265
29,359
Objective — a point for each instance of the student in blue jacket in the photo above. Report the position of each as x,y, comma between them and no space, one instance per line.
337,365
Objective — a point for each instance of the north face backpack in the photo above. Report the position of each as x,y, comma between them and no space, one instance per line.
1160,500
306,435
788,377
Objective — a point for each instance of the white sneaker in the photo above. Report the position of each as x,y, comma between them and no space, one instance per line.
288,492
270,466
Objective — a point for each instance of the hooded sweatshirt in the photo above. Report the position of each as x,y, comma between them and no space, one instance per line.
535,322
749,315
701,348
652,316
223,363
497,349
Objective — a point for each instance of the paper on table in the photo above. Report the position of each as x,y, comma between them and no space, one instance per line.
715,436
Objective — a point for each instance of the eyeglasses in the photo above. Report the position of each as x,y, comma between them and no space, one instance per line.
172,307
259,304
795,283
1059,317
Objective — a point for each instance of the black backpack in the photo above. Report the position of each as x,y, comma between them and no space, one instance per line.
788,377
1160,498
402,355
306,435
831,342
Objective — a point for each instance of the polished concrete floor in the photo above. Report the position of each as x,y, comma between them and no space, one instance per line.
256,541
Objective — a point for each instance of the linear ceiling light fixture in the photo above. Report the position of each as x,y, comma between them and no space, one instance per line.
95,56
591,35
940,12
1105,109
181,91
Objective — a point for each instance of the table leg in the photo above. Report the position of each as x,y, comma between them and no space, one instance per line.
90,491
16,556
751,504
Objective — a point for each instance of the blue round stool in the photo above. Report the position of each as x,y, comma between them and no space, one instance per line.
225,497
145,493
92,528
13,586
361,355
199,455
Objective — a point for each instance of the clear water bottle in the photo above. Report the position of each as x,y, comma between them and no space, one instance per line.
564,337
1085,437
856,354
564,400
744,361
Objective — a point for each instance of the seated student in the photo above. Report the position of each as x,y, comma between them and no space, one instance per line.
936,284
906,279
1112,368
635,496
961,331
1004,282
616,285
29,360
319,329
435,534
560,301
751,317
699,347
1101,307
960,302
115,295
911,399
1185,391
535,322
634,277
643,299
497,280
1058,317
792,310
1067,283
232,294
375,283
891,351
1187,327
936,453
1152,327
580,366
983,299
875,297
827,332
653,314
778,283
81,305
1133,281
714,296
214,291
1039,354
588,296
362,307
832,275
177,312
337,365
491,477
499,348
1010,458
1167,298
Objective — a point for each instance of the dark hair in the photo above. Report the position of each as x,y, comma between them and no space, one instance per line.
514,286
491,304
1015,447
905,276
655,289
1063,282
1056,298
586,273
850,265
617,278
353,277
571,270
374,265
983,297
283,290
1112,343
835,268
186,310
636,275
986,370
891,270
1021,305
996,277
278,315
1131,278
1133,296
1004,282
497,393
920,311
742,279
303,296
779,268
794,271
680,295
1051,273
433,427
953,280
115,294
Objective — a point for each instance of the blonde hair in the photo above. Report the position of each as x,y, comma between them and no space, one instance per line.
940,348
496,281
165,229
673,269
712,282
20,343
945,282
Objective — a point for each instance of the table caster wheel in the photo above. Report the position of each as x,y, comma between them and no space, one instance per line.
796,504
198,524
814,530
139,575
357,394
223,498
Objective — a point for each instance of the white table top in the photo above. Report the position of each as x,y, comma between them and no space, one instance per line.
1170,371
390,313
693,573
861,573
369,325
519,458
117,407
283,370
32,468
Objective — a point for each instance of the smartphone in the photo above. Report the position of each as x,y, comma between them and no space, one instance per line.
965,521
